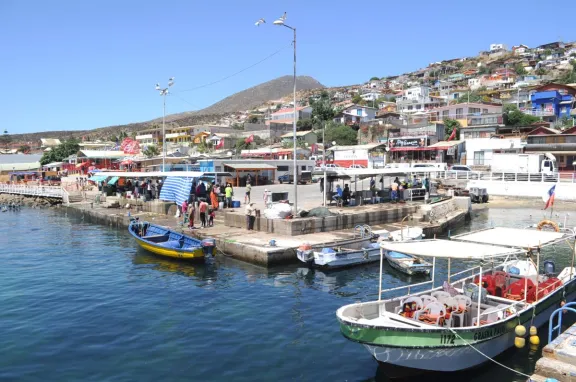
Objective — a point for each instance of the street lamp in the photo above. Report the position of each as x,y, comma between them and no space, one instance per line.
164,92
282,22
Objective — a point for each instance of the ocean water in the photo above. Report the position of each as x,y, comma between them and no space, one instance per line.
80,302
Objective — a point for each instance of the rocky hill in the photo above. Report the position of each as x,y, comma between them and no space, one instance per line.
244,100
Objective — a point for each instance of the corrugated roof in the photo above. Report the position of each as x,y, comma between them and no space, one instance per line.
298,134
19,166
102,154
250,166
20,158
368,146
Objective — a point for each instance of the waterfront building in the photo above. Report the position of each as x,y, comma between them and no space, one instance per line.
372,155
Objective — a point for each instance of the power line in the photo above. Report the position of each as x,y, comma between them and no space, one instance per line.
235,74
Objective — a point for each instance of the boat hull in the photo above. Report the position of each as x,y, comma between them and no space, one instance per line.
411,270
340,259
196,254
421,350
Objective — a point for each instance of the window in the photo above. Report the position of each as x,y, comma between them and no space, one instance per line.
410,107
459,113
282,168
418,107
445,113
479,158
474,110
218,168
358,111
303,168
537,140
484,111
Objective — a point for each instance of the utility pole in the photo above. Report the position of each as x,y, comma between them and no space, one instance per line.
164,92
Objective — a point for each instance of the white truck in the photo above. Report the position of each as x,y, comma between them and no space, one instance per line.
524,163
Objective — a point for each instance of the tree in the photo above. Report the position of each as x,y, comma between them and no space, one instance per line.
449,126
514,117
519,69
470,97
252,119
5,140
61,152
357,99
341,134
151,151
569,77
304,124
24,149
322,109
541,71
237,126
392,99
374,79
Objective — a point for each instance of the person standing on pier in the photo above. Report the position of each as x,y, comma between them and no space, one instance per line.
248,190
229,193
203,208
191,213
249,211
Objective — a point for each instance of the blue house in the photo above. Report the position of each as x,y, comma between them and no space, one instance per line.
553,101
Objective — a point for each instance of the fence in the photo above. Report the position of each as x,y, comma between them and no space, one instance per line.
45,191
506,176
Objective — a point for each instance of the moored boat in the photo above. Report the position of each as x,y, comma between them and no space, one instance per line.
165,242
410,265
460,325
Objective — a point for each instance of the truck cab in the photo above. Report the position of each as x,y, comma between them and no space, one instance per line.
549,166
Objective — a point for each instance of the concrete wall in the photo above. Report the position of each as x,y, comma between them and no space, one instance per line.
327,224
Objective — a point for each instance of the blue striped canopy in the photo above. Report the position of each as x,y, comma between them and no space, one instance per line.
176,189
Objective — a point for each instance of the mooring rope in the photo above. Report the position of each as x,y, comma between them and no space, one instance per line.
491,359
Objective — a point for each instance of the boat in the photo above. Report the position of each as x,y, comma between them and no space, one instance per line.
165,242
364,252
408,264
457,325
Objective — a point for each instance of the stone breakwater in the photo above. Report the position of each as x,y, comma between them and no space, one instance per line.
29,201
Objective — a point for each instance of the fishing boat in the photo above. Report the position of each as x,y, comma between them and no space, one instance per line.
459,325
408,264
332,257
165,242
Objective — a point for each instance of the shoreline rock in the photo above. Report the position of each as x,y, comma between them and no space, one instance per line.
29,201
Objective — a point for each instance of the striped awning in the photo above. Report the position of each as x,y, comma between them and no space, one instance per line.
176,189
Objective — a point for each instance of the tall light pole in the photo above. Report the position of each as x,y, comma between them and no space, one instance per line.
282,22
164,92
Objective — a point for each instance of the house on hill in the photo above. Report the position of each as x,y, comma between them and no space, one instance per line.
46,144
308,137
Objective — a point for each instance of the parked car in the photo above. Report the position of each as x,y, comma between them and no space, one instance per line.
287,177
356,166
460,167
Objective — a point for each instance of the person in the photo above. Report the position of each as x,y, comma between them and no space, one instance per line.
249,216
158,189
346,195
247,196
248,180
397,181
185,211
427,184
339,194
322,185
201,191
266,197
148,190
211,217
203,208
229,193
191,213
372,184
394,193
214,198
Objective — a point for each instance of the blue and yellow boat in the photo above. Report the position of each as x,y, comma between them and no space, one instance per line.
164,242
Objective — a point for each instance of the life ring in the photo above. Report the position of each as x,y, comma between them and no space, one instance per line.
549,223
501,137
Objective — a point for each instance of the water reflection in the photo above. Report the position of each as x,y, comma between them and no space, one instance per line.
200,271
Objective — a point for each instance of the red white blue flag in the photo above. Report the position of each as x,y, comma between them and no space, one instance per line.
548,197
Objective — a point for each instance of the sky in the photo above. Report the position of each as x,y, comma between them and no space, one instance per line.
75,65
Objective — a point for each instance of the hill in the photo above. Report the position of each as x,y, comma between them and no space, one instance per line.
243,100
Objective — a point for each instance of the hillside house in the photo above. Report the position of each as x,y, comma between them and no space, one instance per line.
46,144
302,137
561,144
355,114
519,49
417,99
286,116
469,114
552,102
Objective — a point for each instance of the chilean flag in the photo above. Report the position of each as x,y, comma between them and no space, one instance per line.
249,139
548,197
453,135
220,145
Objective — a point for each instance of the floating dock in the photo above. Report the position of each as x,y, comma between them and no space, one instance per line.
558,360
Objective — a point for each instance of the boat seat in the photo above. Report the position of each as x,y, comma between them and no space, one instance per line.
152,236
174,244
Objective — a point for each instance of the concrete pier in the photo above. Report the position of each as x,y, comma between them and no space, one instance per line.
558,359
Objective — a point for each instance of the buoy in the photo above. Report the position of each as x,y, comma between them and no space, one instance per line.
534,348
535,340
520,330
519,342
533,331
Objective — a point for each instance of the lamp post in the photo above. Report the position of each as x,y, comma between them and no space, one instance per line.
164,92
282,22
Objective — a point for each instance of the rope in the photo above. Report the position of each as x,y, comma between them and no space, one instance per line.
493,360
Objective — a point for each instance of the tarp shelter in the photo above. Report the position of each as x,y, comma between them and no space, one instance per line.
450,249
176,189
250,167
113,180
98,178
513,237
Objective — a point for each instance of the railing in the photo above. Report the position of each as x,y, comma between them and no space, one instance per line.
46,191
558,312
505,176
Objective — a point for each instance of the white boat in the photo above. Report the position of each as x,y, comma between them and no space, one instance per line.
332,257
454,327
408,264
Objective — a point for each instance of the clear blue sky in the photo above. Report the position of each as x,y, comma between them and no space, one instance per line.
70,65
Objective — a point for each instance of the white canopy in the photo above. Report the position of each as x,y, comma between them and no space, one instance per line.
449,249
512,237
156,174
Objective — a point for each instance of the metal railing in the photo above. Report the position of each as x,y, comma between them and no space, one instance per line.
505,176
45,191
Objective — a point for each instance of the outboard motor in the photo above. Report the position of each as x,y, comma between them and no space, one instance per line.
208,246
549,267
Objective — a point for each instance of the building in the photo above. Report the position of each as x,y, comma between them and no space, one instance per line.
469,114
85,159
180,135
498,47
355,114
46,144
520,49
302,137
371,96
561,144
286,116
370,155
222,141
19,162
418,99
479,150
552,102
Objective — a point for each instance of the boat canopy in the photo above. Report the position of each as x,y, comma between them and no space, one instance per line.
513,237
450,249
156,174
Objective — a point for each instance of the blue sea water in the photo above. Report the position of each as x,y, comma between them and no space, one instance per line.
80,302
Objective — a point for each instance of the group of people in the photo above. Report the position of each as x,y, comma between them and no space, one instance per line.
212,193
207,213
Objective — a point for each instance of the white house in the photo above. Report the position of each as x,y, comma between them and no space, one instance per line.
479,150
371,96
365,155
355,114
417,99
497,47
519,49
287,115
